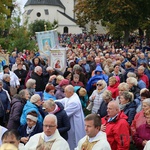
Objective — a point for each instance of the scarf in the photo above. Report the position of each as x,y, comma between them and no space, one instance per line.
55,110
122,106
30,130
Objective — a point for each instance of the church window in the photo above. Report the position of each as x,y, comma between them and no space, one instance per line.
29,11
65,29
38,14
46,11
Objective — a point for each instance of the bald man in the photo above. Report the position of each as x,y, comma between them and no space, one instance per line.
37,75
49,138
73,108
116,127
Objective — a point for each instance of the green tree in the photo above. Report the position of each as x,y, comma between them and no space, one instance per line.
5,6
124,15
6,9
42,25
18,36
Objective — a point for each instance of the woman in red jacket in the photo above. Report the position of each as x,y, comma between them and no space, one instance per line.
113,86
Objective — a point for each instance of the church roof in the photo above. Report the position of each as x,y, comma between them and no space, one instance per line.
73,20
45,2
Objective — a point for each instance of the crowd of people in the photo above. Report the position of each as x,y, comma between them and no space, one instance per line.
100,102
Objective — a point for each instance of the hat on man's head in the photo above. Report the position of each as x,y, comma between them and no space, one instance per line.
64,82
35,98
5,66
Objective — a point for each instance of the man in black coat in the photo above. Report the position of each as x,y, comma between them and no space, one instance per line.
38,76
21,74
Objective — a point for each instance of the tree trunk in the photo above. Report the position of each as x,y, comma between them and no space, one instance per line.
148,36
141,33
126,37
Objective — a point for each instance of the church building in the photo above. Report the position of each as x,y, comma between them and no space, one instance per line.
50,10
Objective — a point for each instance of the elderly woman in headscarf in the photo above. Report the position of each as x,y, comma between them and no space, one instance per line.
96,97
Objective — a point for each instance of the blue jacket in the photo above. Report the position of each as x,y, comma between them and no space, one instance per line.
93,80
48,96
123,63
141,61
130,111
87,68
141,84
102,111
126,72
83,99
28,107
12,60
5,103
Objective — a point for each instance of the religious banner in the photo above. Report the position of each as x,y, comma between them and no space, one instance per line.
4,60
47,41
58,59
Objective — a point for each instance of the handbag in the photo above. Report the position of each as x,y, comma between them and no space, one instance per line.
90,106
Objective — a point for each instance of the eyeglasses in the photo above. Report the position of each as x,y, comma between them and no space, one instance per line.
49,126
99,84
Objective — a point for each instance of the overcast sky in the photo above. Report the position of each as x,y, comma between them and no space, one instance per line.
21,3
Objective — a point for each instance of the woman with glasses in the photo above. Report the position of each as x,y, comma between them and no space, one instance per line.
96,96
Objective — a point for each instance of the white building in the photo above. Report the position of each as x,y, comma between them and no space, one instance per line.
50,10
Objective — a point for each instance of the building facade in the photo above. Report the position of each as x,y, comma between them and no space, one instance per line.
50,10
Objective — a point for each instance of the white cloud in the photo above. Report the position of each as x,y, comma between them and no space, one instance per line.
21,4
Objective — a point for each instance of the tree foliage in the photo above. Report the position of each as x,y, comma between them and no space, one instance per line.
5,6
11,33
42,25
123,15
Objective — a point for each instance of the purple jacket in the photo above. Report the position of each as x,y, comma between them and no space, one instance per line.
59,92
142,133
17,105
